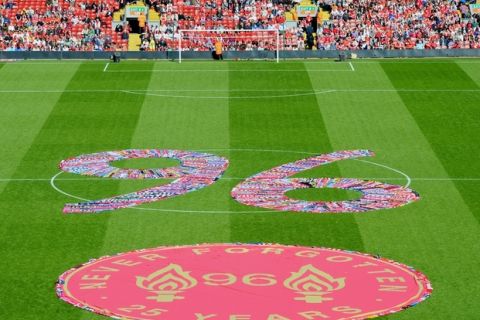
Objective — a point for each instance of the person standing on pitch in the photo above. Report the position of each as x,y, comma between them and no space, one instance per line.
218,49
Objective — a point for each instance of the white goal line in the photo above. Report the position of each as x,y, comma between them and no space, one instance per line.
230,70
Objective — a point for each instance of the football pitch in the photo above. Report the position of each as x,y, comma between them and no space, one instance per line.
421,118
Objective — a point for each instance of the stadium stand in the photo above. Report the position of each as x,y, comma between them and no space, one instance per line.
86,25
40,25
399,24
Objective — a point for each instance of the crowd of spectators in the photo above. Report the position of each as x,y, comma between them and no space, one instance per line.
352,24
74,25
398,24
200,15
54,25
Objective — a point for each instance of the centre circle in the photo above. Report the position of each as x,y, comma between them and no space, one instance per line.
56,188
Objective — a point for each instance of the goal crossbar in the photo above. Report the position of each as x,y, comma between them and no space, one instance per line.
218,33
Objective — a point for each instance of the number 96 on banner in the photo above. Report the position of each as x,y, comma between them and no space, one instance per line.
266,189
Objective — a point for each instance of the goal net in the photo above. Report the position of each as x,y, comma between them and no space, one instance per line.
231,41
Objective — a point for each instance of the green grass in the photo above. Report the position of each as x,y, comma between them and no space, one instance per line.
421,117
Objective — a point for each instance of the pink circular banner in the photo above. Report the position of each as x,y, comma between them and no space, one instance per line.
243,282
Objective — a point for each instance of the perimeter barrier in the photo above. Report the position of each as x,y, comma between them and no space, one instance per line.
240,55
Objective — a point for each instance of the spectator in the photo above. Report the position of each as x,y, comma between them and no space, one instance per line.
344,25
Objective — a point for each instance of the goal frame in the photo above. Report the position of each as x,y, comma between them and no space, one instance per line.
277,38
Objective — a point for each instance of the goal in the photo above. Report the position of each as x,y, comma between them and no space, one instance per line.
232,40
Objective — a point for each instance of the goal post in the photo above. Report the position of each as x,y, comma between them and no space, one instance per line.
232,40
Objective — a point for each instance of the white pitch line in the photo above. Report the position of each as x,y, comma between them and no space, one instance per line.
230,97
409,180
239,90
153,90
226,70
403,61
106,67
351,66
52,184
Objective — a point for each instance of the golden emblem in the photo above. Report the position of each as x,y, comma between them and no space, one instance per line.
167,283
314,284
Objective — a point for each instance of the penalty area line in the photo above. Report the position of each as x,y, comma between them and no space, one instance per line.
106,67
351,66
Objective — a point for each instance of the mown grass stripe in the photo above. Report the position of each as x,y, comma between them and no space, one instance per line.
282,124
451,261
424,234
186,124
44,243
450,121
21,117
471,69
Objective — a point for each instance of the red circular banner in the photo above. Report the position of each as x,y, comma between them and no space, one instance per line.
243,282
